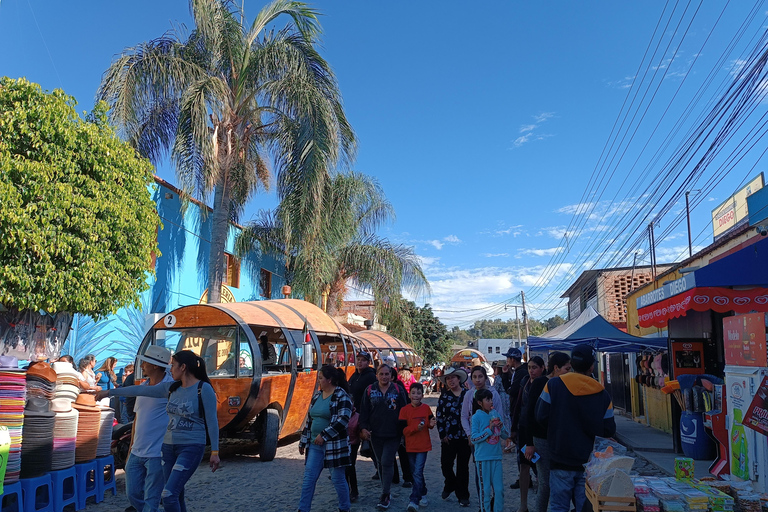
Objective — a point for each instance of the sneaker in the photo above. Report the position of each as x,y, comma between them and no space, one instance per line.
423,502
407,484
464,503
412,507
383,502
445,495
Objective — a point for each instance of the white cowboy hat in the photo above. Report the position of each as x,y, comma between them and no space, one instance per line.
456,372
158,356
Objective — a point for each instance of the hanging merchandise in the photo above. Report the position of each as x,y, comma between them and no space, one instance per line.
756,417
13,391
5,447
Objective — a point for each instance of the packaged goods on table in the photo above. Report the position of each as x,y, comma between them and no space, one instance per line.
648,503
749,503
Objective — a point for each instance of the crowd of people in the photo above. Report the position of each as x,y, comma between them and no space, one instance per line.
548,412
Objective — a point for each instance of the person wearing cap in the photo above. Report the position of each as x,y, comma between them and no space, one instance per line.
454,445
575,408
191,421
144,471
363,377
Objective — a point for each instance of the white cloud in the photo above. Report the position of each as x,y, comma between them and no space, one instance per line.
437,244
452,239
515,231
540,252
522,140
576,209
496,255
427,261
529,129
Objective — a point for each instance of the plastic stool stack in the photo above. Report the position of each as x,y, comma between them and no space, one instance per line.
105,477
86,479
64,483
37,494
11,499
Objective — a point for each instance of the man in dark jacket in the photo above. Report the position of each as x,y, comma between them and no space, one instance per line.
575,408
363,377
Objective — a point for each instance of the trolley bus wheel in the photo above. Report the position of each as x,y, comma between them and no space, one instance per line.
270,430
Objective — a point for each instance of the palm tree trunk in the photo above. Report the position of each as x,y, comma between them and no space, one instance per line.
219,235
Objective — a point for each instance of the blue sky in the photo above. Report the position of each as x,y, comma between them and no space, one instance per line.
483,125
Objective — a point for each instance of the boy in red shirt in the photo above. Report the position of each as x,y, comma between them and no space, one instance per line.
415,419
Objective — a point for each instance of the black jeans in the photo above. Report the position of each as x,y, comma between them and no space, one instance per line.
405,463
351,472
457,450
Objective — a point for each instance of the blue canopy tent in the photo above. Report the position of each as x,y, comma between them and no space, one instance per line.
591,328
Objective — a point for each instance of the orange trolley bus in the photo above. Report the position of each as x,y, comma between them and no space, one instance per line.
262,398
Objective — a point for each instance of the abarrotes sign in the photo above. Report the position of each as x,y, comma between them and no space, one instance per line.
671,289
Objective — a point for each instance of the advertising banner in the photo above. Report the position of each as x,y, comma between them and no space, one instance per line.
688,357
744,340
756,417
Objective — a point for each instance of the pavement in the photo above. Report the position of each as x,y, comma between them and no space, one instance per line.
654,447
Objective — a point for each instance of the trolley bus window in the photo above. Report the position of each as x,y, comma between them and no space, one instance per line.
245,357
274,351
216,345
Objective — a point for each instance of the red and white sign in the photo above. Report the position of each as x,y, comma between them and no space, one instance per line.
744,340
721,300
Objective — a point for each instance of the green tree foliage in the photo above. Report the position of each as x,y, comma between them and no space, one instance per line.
426,332
345,246
502,329
229,99
77,223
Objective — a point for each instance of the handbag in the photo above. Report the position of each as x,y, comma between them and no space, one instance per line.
353,430
365,449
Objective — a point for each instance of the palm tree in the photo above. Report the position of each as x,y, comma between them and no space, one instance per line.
344,246
226,100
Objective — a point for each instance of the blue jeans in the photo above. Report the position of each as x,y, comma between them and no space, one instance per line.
144,482
312,469
417,460
565,486
179,464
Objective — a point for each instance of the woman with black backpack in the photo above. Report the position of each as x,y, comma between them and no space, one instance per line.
192,417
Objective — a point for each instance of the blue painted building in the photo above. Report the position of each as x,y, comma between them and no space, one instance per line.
181,279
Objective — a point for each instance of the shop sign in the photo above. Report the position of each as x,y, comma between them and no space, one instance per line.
677,286
733,211
717,299
756,416
744,340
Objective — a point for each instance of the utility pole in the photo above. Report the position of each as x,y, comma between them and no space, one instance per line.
525,318
652,244
517,321
688,218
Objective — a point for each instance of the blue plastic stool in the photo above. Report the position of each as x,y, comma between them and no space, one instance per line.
11,499
64,483
105,477
37,494
86,478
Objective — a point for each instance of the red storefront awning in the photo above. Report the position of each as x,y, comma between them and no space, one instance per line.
717,299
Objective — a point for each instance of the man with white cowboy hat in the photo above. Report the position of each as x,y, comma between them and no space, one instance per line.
454,445
143,470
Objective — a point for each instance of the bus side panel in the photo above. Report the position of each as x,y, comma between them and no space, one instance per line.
231,395
302,396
